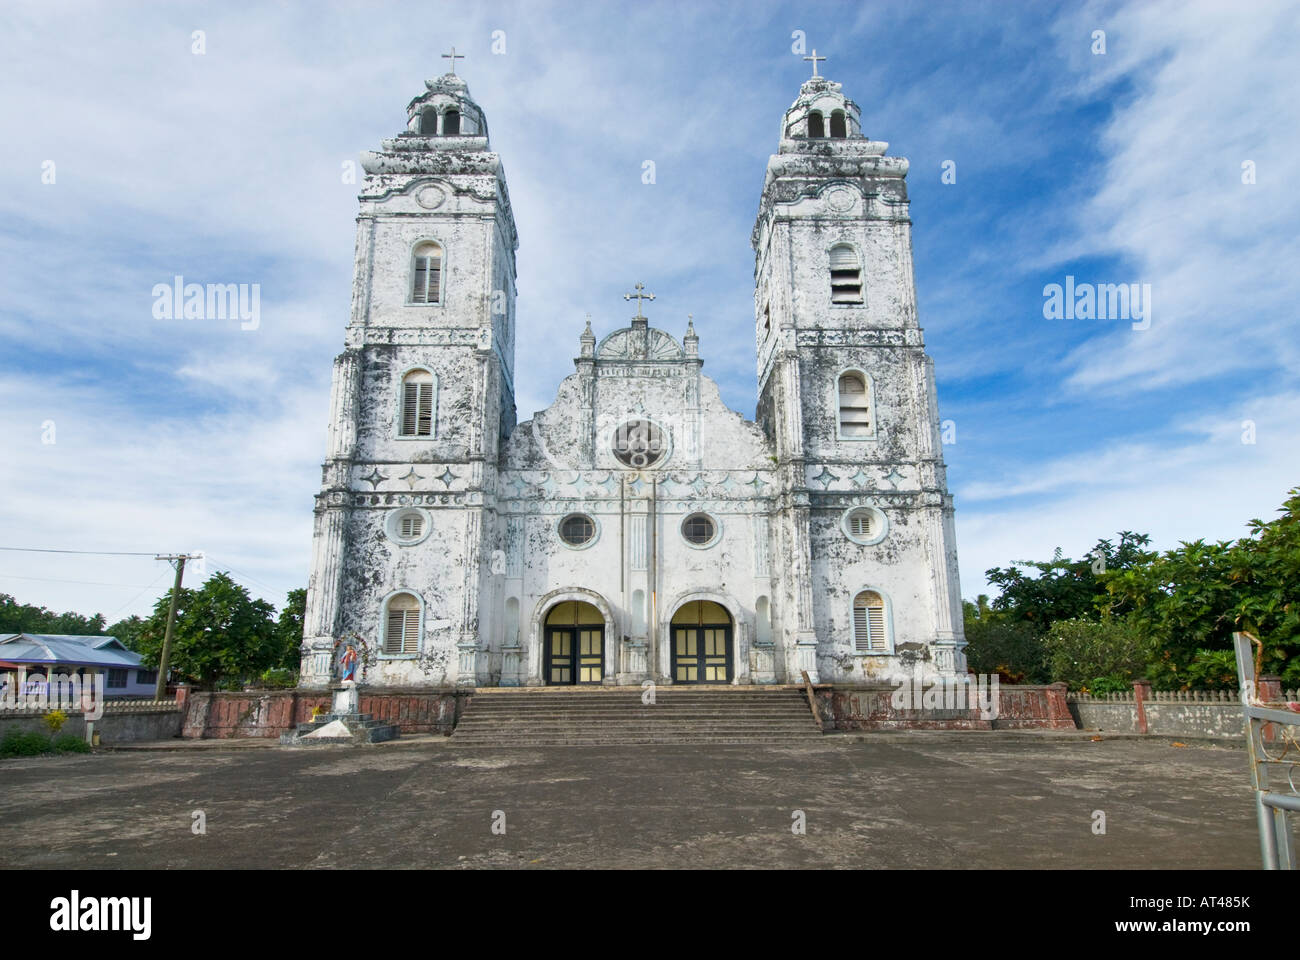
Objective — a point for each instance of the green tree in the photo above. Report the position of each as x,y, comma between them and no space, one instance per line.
1087,654
1013,649
1064,589
223,636
18,617
288,630
1186,603
127,631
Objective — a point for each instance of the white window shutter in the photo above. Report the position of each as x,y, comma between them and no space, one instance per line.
410,400
393,636
869,623
855,406
411,632
861,638
424,423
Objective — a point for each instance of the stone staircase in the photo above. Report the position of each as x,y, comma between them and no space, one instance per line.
596,716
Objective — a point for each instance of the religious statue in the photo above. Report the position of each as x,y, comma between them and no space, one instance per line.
348,663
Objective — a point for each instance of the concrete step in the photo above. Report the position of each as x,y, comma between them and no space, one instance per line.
638,712
494,743
603,718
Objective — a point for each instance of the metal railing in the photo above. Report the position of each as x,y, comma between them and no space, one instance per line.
1271,729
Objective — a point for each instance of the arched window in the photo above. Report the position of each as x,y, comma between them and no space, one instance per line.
426,273
429,123
451,123
402,624
846,275
855,406
417,404
869,623
816,126
838,127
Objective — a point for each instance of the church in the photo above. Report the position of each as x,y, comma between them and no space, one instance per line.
637,529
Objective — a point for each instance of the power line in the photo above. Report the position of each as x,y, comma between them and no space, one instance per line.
242,576
98,553
124,606
93,583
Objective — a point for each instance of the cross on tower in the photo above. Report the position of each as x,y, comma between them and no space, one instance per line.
814,58
639,295
454,56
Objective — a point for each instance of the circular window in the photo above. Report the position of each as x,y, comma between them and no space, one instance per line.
639,444
699,530
864,525
578,530
407,527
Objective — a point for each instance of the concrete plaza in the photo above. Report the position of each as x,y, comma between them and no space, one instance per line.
916,799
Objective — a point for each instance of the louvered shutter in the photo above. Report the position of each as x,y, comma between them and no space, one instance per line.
860,523
420,282
435,280
424,425
846,275
869,623
393,636
843,258
855,409
411,632
876,620
410,404
426,275
861,637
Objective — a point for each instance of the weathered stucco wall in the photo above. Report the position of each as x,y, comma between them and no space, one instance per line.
869,707
491,494
1169,719
271,713
115,726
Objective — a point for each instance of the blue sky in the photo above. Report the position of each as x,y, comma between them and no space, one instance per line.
1124,167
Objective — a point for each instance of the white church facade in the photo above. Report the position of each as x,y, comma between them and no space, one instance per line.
637,529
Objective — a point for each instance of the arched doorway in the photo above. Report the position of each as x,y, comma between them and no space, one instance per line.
702,647
573,644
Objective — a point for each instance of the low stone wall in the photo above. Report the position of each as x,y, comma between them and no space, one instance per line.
269,713
1178,713
869,707
124,721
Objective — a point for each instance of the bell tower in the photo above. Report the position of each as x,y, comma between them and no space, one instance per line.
423,395
847,399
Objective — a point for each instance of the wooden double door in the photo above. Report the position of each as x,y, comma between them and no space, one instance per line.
574,645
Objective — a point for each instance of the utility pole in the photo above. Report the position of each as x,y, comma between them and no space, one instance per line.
160,688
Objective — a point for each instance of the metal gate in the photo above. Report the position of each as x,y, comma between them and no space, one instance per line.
1271,730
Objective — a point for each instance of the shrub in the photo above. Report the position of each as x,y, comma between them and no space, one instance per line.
54,720
24,744
1212,670
1100,686
280,678
1013,650
70,743
1081,652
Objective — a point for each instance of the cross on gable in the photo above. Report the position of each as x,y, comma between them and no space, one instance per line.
640,295
454,56
814,58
